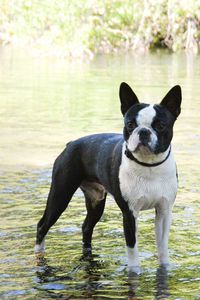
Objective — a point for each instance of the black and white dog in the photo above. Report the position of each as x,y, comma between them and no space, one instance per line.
137,168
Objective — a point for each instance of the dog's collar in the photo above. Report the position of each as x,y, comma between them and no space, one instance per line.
130,156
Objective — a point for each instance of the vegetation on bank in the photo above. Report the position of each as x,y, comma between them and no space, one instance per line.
101,26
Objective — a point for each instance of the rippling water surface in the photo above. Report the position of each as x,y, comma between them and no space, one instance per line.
44,103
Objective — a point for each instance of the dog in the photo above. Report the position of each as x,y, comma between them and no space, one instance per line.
137,168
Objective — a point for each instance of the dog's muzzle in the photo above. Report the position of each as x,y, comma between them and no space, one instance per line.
142,139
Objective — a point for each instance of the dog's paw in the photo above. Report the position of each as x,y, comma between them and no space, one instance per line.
134,270
39,248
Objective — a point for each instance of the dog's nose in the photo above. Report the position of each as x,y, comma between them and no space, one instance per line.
144,135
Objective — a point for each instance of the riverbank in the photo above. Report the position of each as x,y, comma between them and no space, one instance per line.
81,28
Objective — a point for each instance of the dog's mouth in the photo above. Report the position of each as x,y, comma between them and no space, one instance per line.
144,147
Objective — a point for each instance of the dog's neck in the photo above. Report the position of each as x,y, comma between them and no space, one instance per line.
146,159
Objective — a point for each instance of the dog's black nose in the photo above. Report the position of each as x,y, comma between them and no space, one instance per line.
144,135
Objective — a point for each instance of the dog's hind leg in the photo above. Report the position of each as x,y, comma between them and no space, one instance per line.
95,198
65,181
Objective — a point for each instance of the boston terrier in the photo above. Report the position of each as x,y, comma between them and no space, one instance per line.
137,168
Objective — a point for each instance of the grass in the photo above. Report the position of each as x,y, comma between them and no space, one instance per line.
91,27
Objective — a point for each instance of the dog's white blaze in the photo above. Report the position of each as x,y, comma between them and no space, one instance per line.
144,120
146,116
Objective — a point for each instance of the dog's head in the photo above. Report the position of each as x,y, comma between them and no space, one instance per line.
149,128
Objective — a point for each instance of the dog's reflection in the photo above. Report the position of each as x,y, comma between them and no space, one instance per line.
92,283
46,273
90,264
161,287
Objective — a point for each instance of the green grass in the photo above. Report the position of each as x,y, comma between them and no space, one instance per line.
102,26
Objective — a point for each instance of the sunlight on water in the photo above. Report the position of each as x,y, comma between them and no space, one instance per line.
44,104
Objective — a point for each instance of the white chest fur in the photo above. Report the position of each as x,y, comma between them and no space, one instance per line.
145,187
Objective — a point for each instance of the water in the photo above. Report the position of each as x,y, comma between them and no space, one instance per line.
44,103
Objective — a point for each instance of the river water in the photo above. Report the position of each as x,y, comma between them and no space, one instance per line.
46,102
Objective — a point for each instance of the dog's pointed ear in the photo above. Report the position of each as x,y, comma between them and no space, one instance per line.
172,101
127,97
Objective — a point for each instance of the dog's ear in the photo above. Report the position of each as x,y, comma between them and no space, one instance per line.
172,101
127,97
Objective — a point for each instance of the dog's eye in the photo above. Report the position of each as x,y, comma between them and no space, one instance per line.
131,125
159,126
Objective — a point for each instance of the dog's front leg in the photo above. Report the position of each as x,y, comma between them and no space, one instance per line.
162,227
130,232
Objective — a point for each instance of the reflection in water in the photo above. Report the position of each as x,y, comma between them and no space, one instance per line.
45,273
133,283
160,285
91,279
92,284
162,288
